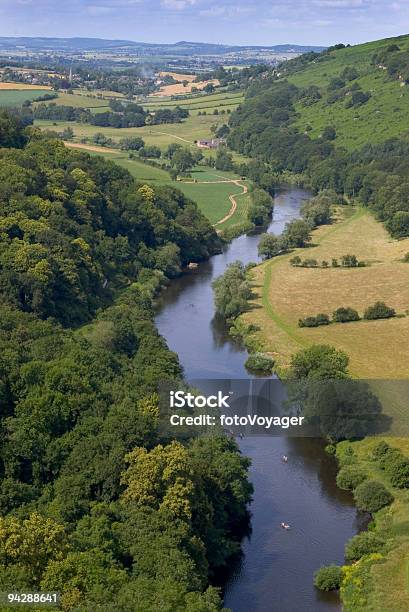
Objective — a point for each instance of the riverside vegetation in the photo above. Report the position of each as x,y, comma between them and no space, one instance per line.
96,502
280,124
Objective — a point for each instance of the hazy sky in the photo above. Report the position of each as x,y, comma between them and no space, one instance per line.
262,22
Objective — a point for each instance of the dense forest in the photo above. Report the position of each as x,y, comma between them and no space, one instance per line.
95,500
263,127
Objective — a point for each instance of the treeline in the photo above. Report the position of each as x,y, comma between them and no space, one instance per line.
297,233
120,115
97,501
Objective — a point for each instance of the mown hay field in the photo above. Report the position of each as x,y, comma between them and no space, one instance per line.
284,294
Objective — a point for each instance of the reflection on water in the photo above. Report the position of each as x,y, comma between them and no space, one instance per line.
276,569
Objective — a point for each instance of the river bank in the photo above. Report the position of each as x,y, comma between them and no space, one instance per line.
277,567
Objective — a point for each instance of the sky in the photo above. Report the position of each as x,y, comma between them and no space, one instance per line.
256,22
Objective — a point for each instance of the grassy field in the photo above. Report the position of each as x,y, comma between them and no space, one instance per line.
16,97
194,128
211,196
199,103
80,101
386,114
284,294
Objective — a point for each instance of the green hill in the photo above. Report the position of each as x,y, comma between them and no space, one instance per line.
384,115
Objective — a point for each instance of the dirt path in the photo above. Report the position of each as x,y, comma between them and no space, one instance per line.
86,147
232,197
173,136
233,201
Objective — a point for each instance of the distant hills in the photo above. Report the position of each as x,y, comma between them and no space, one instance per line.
176,49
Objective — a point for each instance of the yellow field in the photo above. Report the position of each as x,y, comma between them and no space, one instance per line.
377,349
14,86
179,89
177,76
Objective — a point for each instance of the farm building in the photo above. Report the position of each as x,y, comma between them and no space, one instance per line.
213,143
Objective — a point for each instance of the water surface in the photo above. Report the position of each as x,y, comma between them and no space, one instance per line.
277,566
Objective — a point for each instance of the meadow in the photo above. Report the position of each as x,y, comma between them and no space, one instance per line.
284,294
193,128
385,115
16,97
205,188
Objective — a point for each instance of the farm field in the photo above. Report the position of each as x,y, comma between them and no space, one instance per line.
284,294
80,101
195,104
187,132
16,97
4,86
211,192
180,88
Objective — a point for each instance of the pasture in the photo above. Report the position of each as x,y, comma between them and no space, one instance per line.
16,97
209,188
284,294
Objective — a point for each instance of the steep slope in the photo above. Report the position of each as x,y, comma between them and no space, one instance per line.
384,115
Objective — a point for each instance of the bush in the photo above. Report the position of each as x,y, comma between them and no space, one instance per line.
331,449
349,261
349,477
400,475
258,362
406,258
344,315
389,459
379,311
371,496
380,450
295,261
319,319
310,263
363,544
328,578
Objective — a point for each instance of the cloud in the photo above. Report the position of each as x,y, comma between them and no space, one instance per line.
96,10
342,4
178,5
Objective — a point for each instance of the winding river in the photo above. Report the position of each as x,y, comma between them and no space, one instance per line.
276,569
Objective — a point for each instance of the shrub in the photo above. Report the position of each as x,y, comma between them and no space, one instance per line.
310,263
319,319
328,578
331,449
258,362
380,450
295,261
334,263
379,311
349,477
406,258
349,261
371,496
344,315
362,544
389,459
400,475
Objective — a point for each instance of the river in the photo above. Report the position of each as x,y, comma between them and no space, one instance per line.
276,570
